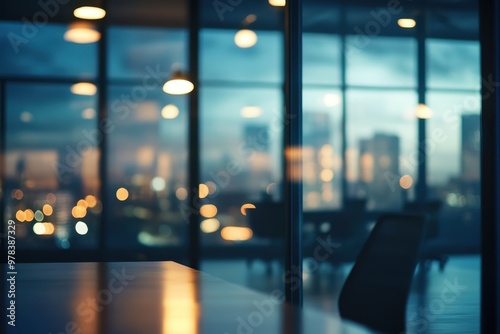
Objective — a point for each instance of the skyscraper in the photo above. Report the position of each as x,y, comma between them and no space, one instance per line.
470,159
379,171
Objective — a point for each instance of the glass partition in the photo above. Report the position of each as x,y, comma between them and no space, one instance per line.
379,87
241,144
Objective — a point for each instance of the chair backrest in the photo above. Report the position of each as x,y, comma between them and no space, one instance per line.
267,220
376,291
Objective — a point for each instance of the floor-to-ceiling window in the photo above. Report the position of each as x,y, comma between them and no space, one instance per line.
65,101
371,80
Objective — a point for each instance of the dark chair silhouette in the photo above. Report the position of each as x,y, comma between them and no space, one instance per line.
267,220
376,291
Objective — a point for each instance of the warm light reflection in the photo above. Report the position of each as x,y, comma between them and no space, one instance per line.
178,86
203,190
331,100
245,38
81,228
179,301
313,199
181,193
49,228
82,33
89,13
326,162
17,194
235,233
326,150
88,113
26,117
43,228
51,198
170,111
294,156
79,211
47,210
244,208
277,3
208,210
406,181
91,201
251,112
407,23
29,215
326,175
39,229
210,225
251,18
367,164
20,216
423,112
327,195
122,194
84,88
83,203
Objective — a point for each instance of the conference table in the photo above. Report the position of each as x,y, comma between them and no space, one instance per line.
149,297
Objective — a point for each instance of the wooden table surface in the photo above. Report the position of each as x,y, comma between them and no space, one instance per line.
150,297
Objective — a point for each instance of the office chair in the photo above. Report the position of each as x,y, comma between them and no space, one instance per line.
376,291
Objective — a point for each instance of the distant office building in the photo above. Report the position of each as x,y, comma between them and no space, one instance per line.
470,160
379,171
321,184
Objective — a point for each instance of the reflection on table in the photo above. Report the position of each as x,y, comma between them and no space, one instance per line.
152,297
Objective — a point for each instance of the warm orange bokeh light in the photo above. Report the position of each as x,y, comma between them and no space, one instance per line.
208,210
244,208
236,233
91,201
30,215
122,194
406,181
47,210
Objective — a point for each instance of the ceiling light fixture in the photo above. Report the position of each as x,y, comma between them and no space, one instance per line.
84,88
277,3
89,13
245,38
251,112
178,84
170,111
407,23
82,33
423,112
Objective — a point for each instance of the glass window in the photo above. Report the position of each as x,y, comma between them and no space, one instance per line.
241,140
52,166
381,145
146,52
453,64
321,59
381,61
322,153
147,165
44,50
221,59
452,112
